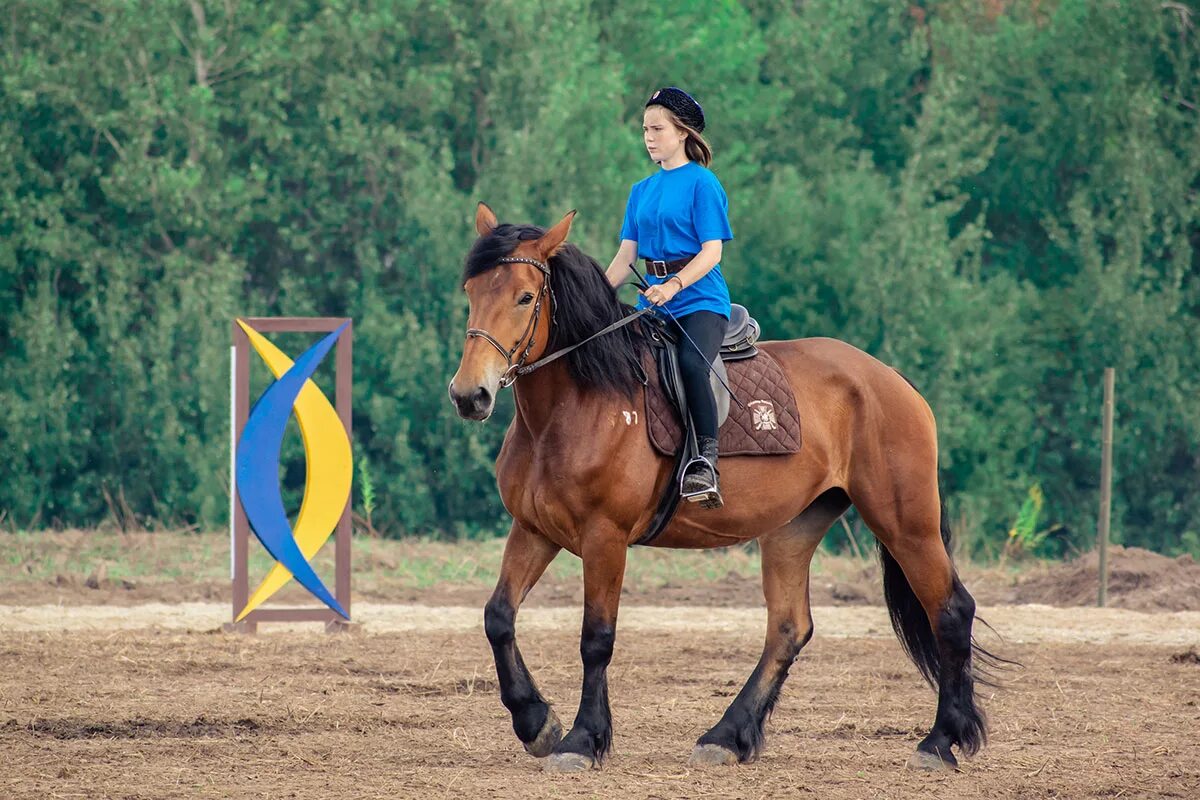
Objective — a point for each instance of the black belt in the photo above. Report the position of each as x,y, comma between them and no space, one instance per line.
661,269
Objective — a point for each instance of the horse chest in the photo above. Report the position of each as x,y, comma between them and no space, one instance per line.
538,492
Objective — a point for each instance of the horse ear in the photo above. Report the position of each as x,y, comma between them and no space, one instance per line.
554,238
485,219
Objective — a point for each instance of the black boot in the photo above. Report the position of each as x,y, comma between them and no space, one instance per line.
701,480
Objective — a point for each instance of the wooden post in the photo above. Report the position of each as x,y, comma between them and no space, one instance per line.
1105,486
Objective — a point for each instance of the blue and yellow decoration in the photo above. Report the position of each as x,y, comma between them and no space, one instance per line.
327,479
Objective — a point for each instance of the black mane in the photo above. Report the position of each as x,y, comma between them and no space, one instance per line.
586,302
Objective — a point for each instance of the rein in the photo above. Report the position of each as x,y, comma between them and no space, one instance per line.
516,370
541,362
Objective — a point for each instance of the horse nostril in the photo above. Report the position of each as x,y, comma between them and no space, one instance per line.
473,404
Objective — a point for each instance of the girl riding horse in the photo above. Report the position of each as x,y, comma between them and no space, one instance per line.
677,221
577,472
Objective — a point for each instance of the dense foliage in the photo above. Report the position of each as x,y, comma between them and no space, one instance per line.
998,198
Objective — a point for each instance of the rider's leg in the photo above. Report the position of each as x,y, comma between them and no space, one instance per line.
707,330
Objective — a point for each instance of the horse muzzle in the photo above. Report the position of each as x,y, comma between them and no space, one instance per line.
476,403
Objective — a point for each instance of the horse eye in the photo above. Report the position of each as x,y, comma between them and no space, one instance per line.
525,300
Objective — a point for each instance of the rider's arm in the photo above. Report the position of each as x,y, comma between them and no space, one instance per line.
619,270
698,267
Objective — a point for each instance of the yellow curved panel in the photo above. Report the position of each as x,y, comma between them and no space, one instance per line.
328,472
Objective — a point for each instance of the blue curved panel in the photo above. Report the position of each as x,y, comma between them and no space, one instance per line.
258,469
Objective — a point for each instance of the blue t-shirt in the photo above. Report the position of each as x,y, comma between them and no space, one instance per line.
670,214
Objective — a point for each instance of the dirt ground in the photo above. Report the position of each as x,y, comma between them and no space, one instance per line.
123,685
152,701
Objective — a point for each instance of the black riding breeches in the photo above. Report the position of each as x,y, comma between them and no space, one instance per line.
707,330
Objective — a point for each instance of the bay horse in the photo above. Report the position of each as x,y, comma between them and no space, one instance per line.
577,471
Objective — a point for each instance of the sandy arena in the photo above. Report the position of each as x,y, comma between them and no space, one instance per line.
152,701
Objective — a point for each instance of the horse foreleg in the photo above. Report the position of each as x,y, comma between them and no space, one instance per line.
588,742
526,556
786,556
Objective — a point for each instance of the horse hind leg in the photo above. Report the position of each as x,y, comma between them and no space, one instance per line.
786,556
932,613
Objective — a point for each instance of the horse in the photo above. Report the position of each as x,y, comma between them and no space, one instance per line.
575,474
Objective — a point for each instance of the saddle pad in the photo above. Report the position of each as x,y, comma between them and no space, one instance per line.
768,424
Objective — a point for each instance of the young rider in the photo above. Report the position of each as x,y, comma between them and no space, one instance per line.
677,220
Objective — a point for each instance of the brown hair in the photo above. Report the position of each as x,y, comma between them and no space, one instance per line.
695,146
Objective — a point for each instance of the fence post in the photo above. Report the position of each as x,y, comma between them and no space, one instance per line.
1105,486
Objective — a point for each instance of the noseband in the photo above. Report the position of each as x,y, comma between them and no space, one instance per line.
516,369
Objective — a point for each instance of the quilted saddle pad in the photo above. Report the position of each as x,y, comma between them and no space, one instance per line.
768,424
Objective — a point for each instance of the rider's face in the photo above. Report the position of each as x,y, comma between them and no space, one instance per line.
663,140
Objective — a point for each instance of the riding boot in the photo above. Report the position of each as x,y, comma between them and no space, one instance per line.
701,480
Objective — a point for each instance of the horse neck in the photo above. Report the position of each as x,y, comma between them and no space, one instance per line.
542,395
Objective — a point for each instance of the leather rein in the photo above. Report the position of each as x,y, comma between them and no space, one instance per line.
519,368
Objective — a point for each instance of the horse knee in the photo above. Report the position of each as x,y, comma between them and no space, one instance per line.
596,644
498,619
793,639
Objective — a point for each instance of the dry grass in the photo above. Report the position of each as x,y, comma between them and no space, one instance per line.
87,567
142,558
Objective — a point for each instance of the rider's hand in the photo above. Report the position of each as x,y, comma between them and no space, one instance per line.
662,292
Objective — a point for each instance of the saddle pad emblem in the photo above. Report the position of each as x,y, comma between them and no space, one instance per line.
764,415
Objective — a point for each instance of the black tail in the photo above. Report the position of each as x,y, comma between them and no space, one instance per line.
959,719
909,619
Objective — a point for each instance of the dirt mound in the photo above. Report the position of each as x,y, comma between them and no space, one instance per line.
1137,579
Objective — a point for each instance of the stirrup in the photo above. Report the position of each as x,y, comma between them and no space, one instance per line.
708,497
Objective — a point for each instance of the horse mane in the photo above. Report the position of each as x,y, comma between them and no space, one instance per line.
585,303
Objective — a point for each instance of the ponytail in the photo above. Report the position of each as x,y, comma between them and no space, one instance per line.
696,148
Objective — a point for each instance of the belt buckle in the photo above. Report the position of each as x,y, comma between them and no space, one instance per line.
656,265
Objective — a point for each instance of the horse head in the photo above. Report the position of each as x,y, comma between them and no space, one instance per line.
510,309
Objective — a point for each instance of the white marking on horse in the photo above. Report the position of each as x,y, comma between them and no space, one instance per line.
630,417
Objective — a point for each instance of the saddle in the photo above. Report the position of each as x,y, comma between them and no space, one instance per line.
763,421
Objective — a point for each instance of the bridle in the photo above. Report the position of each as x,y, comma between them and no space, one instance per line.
517,369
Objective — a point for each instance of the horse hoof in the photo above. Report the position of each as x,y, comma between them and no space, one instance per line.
548,737
712,755
930,762
567,762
